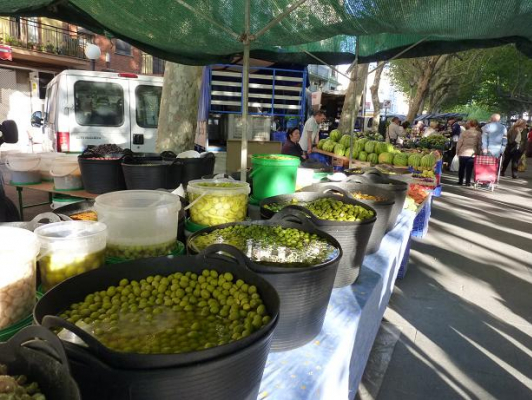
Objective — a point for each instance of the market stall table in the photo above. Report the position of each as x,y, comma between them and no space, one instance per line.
47,187
331,366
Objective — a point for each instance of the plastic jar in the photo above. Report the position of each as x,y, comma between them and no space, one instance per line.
18,255
24,168
140,223
217,201
66,173
70,248
46,164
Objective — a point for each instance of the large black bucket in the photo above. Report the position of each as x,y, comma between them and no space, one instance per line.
397,187
39,355
304,292
193,168
352,236
229,372
384,208
101,175
149,174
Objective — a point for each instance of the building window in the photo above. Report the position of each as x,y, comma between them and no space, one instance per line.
122,48
99,103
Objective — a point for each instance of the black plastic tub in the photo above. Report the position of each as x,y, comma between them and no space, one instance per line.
101,174
39,355
397,187
148,173
352,236
384,208
232,371
193,168
304,292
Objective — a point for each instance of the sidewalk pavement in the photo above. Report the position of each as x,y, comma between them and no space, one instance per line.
463,313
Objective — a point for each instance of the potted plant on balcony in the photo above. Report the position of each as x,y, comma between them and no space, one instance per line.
50,48
32,46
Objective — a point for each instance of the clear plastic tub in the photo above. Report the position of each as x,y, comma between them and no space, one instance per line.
66,173
24,168
70,248
140,223
46,164
217,201
18,255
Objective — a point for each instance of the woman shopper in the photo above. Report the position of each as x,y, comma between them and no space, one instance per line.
291,146
515,147
469,145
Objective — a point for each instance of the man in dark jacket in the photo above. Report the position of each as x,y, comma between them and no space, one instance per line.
291,146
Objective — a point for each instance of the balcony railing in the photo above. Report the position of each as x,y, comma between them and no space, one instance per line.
31,34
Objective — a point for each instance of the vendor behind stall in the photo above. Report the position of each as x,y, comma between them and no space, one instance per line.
291,146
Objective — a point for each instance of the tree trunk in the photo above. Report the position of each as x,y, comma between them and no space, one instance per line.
179,108
375,95
431,66
352,98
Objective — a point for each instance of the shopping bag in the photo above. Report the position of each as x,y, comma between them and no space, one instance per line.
455,164
521,167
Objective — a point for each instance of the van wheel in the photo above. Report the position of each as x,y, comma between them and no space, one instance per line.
10,131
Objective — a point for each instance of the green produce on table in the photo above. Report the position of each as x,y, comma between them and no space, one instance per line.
362,156
179,313
285,247
320,143
328,209
57,266
400,160
362,143
18,387
347,152
369,147
373,158
345,140
217,207
385,158
428,162
335,135
339,150
414,160
135,252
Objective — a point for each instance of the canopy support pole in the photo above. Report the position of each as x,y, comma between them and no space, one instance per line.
327,64
353,117
245,93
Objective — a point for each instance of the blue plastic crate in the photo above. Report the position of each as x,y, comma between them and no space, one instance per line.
278,136
421,222
322,158
404,262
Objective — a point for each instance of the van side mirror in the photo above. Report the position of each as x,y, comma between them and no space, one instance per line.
36,119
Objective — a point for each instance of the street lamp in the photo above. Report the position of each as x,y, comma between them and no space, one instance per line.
93,53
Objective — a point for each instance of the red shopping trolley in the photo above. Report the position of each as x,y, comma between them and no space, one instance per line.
486,171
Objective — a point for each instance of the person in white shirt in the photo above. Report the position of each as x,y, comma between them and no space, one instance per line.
431,130
311,131
395,130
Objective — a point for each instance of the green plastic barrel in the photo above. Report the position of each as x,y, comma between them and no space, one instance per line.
273,174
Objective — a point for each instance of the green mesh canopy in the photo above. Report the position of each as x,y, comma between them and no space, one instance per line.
326,28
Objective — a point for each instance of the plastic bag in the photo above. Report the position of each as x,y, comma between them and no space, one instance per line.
455,164
521,167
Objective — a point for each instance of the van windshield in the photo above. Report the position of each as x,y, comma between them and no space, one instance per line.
99,103
148,105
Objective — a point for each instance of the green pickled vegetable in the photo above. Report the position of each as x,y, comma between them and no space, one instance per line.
328,209
264,244
18,387
137,252
58,266
217,207
179,313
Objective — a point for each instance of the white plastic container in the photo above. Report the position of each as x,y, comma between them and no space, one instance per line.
217,201
66,173
24,168
70,248
305,177
4,170
140,223
18,254
46,164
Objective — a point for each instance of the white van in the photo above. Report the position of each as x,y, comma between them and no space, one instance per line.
84,108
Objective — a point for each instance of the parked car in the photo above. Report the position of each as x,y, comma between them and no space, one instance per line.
84,108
